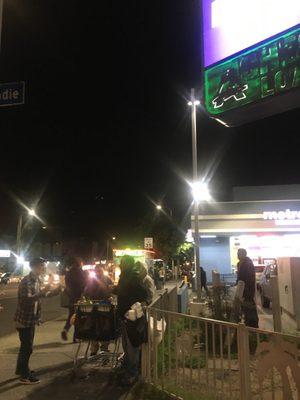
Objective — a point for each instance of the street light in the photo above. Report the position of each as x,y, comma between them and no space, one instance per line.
200,191
196,188
159,207
108,246
31,213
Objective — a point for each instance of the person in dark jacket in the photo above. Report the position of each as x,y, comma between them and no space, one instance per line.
203,280
246,273
130,290
75,283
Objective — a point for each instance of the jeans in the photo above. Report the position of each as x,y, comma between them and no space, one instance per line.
131,353
250,313
26,336
68,321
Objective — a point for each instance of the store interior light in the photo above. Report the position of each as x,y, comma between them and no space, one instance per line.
208,236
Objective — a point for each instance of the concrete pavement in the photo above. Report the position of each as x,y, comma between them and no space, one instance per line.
53,361
50,355
50,310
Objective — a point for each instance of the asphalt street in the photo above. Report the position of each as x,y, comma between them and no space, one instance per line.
8,299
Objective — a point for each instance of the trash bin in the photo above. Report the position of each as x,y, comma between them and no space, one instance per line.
183,298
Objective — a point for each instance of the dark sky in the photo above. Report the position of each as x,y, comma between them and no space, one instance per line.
106,126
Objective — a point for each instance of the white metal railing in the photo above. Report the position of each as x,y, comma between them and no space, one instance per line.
195,358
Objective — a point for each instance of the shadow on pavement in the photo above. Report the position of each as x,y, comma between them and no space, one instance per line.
6,386
8,381
53,345
99,385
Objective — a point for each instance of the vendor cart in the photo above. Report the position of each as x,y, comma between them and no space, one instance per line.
97,321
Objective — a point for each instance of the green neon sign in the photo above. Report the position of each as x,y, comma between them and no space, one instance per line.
263,72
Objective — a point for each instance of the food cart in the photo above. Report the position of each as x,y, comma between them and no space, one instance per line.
144,256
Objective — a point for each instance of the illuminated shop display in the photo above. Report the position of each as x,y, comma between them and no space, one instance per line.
251,57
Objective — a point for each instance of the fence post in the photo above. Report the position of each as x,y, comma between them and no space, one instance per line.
244,361
276,304
145,353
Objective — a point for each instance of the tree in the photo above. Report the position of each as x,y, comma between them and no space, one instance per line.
166,232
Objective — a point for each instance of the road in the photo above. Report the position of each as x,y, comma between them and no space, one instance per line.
50,309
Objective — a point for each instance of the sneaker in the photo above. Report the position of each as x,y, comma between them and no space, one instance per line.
31,380
64,335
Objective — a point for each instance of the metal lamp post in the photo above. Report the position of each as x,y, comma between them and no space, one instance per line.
108,246
20,228
199,189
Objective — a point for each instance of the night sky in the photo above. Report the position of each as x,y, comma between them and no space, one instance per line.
106,126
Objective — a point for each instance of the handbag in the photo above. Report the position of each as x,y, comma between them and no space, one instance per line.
137,331
64,299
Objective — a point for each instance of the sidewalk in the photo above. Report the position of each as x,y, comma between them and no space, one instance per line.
52,359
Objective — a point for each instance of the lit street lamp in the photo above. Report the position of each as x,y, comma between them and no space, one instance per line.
159,207
31,212
108,246
20,228
197,187
200,191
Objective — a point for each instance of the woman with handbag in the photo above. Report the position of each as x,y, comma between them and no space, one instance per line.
131,290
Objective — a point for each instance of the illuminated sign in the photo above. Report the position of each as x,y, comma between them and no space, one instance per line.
129,252
282,215
251,56
5,253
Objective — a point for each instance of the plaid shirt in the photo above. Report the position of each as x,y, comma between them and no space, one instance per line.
29,304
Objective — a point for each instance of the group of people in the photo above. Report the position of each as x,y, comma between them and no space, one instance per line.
135,285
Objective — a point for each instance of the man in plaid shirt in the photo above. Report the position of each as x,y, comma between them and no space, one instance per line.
28,315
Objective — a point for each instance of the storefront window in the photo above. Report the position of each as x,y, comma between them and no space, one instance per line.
263,248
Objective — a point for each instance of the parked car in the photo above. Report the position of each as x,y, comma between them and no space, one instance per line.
265,284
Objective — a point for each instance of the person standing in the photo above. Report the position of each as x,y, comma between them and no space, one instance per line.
28,315
130,290
203,280
246,273
75,283
147,281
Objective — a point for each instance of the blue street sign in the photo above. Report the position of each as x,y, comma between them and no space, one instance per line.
12,93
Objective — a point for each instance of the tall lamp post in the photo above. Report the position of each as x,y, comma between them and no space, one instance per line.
199,190
108,245
20,228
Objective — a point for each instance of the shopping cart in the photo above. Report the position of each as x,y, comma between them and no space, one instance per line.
97,321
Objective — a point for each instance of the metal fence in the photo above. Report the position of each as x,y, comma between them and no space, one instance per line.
167,300
198,358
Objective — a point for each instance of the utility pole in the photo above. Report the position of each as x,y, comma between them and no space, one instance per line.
19,233
194,104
